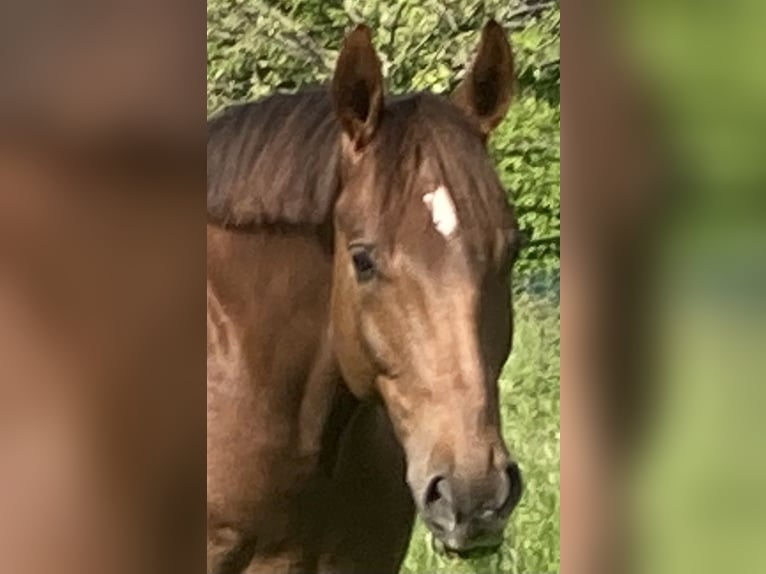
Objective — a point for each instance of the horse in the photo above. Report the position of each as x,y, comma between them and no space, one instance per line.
359,313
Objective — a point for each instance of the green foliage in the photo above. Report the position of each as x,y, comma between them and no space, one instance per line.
256,47
525,148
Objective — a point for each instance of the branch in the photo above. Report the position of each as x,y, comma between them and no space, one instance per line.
306,48
392,34
545,241
539,209
294,34
533,9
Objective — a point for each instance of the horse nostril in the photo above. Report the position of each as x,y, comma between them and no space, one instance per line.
439,505
437,490
513,487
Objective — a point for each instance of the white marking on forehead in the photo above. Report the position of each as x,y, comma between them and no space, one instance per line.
443,214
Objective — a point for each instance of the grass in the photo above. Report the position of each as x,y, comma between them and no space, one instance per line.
530,409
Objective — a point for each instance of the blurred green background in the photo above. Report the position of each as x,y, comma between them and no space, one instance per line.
698,502
256,48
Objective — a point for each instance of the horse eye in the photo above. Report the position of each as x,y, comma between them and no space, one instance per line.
364,266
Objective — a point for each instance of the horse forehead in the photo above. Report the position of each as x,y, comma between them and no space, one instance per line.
431,240
449,236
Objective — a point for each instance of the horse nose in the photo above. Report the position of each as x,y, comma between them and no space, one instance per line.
464,512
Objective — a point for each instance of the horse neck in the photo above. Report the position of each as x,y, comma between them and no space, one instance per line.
277,284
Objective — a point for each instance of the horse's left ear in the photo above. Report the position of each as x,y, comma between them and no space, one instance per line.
485,92
357,87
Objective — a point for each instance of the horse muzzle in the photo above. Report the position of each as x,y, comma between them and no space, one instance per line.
465,514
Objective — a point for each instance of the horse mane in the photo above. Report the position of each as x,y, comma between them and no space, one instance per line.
274,161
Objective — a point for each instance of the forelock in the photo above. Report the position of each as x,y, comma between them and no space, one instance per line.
426,144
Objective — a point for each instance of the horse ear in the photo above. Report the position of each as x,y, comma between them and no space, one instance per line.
357,87
485,92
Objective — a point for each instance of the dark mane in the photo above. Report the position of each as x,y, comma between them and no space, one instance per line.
274,161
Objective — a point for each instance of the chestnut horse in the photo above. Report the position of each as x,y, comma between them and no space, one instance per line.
359,315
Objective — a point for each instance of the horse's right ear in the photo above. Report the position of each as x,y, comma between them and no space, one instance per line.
357,87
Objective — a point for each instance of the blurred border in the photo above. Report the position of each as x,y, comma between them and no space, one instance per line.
613,174
663,309
102,218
